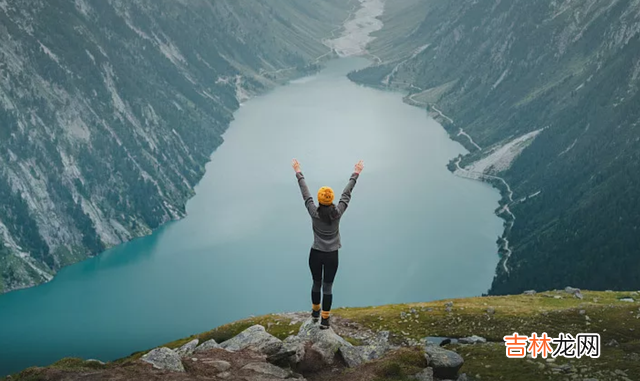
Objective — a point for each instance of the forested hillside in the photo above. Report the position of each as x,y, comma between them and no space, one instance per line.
569,71
110,109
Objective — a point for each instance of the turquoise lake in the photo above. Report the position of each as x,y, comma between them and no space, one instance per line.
413,231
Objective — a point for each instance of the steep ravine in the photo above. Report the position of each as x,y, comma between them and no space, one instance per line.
109,111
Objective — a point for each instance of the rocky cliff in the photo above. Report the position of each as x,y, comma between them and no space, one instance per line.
460,339
545,96
110,109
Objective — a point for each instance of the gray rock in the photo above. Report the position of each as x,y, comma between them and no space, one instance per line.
352,356
530,292
188,348
612,343
97,361
425,375
224,375
282,358
267,369
472,340
566,368
573,291
377,346
310,331
630,300
294,343
327,351
292,352
491,310
257,337
463,377
445,363
220,365
164,358
209,344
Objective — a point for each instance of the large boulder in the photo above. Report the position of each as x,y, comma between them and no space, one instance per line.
267,369
325,342
220,365
292,352
352,356
256,337
310,331
188,348
445,363
165,359
377,347
574,291
209,344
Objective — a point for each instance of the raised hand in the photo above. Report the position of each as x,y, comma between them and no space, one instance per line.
359,167
296,165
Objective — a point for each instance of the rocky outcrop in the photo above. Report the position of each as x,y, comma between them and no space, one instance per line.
209,344
267,369
445,363
187,349
165,359
255,337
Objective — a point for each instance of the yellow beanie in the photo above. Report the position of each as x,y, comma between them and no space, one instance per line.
325,196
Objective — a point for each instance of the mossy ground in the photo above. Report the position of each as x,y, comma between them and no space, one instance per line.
597,312
603,313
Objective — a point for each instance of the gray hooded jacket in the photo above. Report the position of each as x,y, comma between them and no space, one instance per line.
326,236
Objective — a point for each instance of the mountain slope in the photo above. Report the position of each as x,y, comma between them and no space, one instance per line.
109,111
554,312
568,74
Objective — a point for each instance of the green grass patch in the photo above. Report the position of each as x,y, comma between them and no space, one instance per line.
490,363
517,313
68,364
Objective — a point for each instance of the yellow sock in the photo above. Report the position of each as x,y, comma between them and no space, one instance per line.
316,307
325,314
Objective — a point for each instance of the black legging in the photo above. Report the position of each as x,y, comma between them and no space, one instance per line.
319,260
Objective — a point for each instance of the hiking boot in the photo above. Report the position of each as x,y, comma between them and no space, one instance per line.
324,323
315,315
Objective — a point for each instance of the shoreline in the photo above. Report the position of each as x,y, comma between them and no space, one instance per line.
502,211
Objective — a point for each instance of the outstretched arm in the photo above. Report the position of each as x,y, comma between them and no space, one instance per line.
306,195
346,193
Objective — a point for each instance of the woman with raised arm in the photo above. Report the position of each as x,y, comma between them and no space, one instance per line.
325,220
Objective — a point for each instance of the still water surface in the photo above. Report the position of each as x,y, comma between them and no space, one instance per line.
413,232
